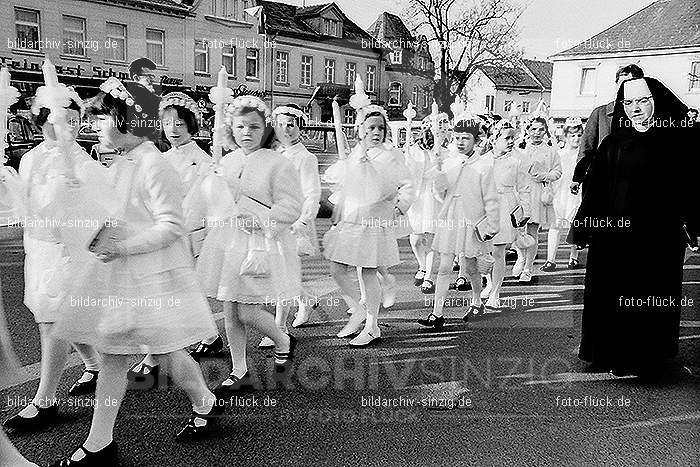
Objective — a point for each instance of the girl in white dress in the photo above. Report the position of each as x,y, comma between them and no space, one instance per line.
375,188
140,294
565,203
513,188
544,167
179,118
469,196
266,200
49,263
288,122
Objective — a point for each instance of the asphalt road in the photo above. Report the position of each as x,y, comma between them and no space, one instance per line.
504,389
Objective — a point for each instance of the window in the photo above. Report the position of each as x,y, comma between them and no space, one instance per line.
414,95
307,111
251,63
395,94
282,67
396,57
490,103
228,59
349,116
330,27
154,45
371,72
426,99
526,107
330,70
507,106
116,38
27,29
73,35
224,8
201,57
695,76
350,74
307,69
402,137
587,81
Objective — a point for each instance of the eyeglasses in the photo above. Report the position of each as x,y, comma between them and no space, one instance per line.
640,101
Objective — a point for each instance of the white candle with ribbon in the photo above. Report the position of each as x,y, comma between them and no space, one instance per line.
57,117
217,96
409,114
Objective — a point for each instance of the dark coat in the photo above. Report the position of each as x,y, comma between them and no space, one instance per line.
632,218
597,128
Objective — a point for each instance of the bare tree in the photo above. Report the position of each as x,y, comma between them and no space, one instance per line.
466,35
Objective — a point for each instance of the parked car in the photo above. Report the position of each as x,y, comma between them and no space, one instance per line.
20,139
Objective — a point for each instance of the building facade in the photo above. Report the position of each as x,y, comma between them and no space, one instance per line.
509,92
409,70
316,53
221,32
280,52
584,76
91,40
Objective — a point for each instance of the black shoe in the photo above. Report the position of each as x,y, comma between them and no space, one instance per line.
436,322
242,384
105,457
428,287
475,310
573,264
463,285
549,266
144,377
45,416
418,278
81,388
215,349
194,430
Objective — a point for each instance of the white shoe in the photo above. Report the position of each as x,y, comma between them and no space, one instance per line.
365,338
354,323
486,291
302,315
518,267
389,287
266,343
525,277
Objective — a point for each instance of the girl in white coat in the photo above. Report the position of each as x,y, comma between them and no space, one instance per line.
140,294
513,188
544,167
266,200
565,203
469,196
49,264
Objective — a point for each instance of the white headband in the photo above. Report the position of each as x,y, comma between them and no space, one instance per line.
181,100
283,109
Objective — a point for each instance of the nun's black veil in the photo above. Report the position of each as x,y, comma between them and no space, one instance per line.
668,109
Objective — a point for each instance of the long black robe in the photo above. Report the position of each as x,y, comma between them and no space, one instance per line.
632,218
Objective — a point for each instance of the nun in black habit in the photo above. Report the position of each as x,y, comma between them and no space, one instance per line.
642,183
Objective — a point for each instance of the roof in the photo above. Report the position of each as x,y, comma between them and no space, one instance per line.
663,24
510,77
389,26
289,19
541,70
174,6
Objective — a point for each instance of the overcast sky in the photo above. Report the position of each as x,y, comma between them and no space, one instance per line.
548,26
